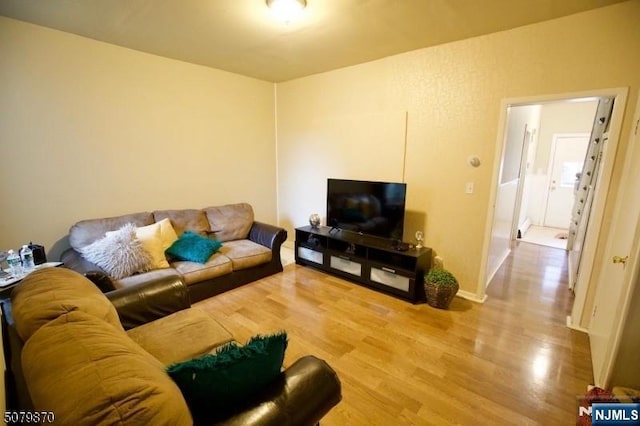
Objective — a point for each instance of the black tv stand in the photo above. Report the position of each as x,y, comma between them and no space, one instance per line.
385,265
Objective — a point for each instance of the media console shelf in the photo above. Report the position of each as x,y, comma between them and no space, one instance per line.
367,260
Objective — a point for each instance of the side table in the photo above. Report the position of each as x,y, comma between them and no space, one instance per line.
9,282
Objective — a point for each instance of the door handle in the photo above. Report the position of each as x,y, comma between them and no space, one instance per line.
618,259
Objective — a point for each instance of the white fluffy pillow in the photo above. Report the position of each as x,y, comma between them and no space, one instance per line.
119,253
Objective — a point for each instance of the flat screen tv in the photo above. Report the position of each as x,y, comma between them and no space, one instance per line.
373,208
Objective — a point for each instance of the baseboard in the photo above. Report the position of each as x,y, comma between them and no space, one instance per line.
526,224
289,244
575,327
287,255
572,278
471,296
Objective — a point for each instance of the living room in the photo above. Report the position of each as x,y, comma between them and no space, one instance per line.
91,129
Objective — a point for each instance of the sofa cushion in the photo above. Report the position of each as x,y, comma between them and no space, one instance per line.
216,385
119,253
151,239
193,247
245,254
192,272
230,222
139,279
195,330
66,291
185,220
94,374
87,231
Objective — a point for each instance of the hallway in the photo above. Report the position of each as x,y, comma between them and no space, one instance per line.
550,237
533,280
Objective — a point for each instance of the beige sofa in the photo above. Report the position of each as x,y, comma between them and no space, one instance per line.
87,358
250,250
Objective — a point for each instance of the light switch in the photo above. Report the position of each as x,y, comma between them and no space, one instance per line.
470,187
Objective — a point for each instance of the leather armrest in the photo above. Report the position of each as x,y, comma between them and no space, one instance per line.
74,260
150,300
303,394
267,235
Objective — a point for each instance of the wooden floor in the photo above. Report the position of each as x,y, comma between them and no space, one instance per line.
508,361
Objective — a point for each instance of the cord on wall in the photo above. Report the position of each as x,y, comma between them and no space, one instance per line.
404,159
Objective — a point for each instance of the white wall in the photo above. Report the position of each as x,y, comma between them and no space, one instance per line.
531,141
562,117
520,119
89,129
555,118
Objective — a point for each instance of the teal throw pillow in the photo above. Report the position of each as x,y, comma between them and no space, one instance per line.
193,247
215,386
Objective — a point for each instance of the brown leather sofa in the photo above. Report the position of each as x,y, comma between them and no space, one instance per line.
250,251
100,359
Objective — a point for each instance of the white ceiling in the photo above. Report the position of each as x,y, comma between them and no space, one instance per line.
241,36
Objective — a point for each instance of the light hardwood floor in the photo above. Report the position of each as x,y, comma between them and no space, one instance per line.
508,361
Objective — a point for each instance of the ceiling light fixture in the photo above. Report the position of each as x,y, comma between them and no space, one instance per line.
287,10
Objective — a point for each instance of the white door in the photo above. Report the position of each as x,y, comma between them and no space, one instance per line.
620,261
567,158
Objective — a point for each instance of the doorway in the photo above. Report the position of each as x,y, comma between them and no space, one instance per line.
533,178
565,167
565,163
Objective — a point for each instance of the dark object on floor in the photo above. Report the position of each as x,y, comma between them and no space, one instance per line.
595,394
562,235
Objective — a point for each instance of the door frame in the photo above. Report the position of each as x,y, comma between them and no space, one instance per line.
631,277
522,176
632,267
554,143
615,127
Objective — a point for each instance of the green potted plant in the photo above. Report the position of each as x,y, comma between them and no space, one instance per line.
440,287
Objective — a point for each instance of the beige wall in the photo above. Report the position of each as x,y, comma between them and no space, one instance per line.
451,94
95,129
89,129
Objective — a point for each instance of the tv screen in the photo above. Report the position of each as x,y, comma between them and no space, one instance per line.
374,208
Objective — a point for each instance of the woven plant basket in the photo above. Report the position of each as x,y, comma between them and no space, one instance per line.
440,296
